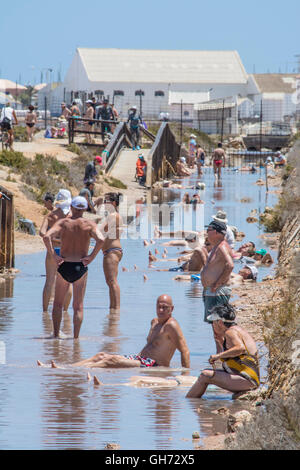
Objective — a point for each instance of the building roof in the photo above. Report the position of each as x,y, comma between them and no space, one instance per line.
161,66
276,82
9,85
175,97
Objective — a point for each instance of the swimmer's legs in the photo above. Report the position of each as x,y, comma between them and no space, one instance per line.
61,289
105,360
78,296
110,267
51,270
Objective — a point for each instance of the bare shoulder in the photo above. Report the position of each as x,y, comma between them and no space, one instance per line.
172,325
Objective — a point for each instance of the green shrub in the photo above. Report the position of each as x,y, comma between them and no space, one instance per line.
13,159
115,183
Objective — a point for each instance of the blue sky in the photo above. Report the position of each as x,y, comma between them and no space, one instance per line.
37,35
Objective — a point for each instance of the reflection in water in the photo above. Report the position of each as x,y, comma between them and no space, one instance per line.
63,412
195,290
6,308
111,330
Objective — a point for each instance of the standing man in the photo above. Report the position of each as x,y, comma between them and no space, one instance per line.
6,122
105,113
75,234
65,112
134,120
88,192
89,114
218,159
215,275
91,172
61,210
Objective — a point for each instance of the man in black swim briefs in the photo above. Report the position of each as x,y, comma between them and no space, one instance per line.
75,233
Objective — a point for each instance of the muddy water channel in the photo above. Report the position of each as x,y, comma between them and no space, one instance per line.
44,408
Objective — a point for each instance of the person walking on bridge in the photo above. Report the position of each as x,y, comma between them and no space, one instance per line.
134,120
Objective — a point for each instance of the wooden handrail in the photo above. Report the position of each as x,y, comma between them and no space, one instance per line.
164,149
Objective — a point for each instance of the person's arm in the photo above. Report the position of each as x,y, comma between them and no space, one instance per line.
180,343
15,117
44,227
228,267
99,238
53,232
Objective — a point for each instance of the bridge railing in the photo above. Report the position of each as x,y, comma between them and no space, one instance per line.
7,242
77,125
163,155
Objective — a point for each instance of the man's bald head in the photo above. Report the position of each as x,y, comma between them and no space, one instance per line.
164,307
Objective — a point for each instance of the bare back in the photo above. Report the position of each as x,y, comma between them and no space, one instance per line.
112,229
243,336
218,154
75,238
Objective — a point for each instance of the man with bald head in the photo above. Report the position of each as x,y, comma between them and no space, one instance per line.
164,337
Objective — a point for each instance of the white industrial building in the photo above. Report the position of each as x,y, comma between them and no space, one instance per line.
146,77
174,82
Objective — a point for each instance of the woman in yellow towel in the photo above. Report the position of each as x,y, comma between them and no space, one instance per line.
238,352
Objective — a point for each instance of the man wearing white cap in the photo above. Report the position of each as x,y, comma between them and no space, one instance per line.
75,233
62,209
221,216
181,169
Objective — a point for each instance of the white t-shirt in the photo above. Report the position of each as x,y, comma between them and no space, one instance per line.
7,112
229,237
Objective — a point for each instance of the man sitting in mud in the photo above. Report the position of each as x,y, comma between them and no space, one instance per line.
181,169
196,262
165,336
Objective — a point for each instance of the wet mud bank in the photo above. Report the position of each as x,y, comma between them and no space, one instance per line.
274,316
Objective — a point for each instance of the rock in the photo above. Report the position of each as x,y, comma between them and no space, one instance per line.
251,220
112,446
237,420
196,435
221,411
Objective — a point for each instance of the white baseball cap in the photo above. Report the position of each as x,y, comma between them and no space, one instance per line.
79,202
63,200
253,269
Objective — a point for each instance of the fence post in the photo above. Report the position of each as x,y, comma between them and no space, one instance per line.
3,233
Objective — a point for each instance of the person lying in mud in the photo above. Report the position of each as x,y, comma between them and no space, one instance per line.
262,257
247,249
198,257
151,381
165,336
182,237
247,273
238,354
